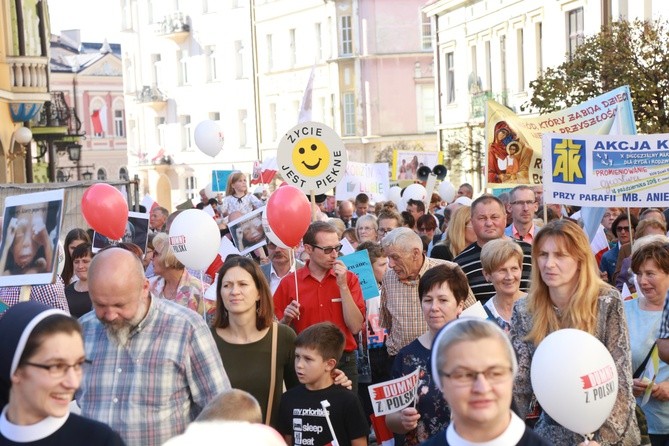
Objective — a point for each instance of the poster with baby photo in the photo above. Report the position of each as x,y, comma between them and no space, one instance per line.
246,230
136,231
30,232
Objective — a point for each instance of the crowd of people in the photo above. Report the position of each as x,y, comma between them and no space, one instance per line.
130,346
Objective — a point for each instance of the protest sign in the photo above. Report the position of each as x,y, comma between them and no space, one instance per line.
606,170
514,154
407,162
359,263
312,157
396,394
368,178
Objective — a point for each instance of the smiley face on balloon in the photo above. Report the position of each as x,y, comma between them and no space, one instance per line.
311,157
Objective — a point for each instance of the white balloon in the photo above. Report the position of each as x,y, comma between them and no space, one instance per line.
402,205
575,380
394,194
208,137
447,191
415,192
195,238
270,233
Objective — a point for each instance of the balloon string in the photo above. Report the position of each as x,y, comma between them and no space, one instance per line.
204,304
293,264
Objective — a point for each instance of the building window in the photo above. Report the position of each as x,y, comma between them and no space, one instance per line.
270,52
119,124
215,116
488,66
349,114
239,59
186,133
450,78
520,49
574,31
102,174
182,57
212,63
474,81
346,34
60,176
191,187
123,174
318,41
426,108
293,47
426,32
538,42
159,125
155,64
242,116
273,122
502,67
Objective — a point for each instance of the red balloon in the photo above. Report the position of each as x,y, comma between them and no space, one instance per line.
105,210
289,214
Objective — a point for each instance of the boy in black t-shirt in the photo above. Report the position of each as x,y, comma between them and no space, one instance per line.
317,412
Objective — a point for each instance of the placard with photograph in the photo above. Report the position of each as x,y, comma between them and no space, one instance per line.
32,225
247,232
136,231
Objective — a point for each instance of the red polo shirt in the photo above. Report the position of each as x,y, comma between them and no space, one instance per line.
319,301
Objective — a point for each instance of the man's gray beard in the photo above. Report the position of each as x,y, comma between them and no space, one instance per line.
120,334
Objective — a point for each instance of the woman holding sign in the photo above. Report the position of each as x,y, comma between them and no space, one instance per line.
567,292
442,290
650,263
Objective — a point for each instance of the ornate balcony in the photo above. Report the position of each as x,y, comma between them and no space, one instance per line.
152,96
174,26
28,74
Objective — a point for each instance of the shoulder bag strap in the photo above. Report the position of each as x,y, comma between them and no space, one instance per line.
272,380
642,367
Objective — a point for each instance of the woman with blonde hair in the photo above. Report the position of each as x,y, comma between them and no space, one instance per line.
367,228
502,263
173,282
567,292
237,197
459,235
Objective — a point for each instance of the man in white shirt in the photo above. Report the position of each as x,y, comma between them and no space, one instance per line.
279,265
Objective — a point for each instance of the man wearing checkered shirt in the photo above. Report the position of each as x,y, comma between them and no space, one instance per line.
663,338
401,312
154,364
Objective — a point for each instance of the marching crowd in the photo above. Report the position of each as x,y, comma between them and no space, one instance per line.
286,339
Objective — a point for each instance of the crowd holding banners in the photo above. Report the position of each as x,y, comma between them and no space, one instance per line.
606,170
514,154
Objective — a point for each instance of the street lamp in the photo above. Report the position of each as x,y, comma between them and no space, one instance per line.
74,152
22,136
88,175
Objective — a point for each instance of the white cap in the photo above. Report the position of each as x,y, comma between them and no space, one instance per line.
465,201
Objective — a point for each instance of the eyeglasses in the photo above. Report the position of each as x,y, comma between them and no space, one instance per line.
523,202
623,228
384,231
59,370
366,228
466,377
329,249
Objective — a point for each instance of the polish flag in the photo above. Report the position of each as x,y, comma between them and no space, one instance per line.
224,250
599,244
265,172
384,437
149,203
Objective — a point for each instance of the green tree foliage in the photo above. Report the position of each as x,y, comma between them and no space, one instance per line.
623,53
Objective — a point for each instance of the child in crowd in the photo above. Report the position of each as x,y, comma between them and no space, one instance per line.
317,411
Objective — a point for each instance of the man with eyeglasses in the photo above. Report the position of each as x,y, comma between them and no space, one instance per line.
387,221
488,221
523,207
326,291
